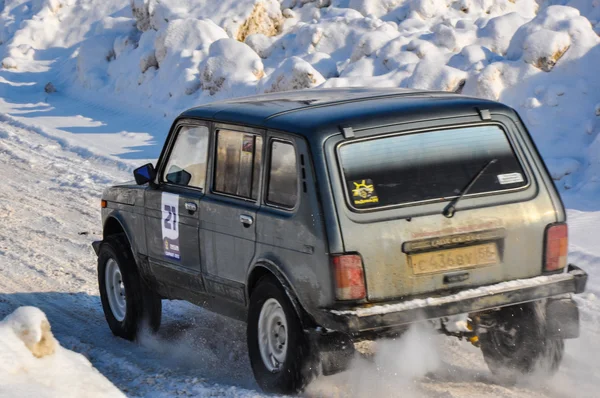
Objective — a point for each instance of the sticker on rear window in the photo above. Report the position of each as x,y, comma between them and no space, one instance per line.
364,193
512,178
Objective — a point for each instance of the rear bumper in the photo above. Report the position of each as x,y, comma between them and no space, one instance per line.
369,319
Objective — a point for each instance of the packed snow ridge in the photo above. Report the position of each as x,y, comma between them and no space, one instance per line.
502,287
539,56
32,362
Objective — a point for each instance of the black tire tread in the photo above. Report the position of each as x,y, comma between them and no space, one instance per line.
535,351
300,367
144,307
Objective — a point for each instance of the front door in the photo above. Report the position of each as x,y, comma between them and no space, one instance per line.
172,209
228,211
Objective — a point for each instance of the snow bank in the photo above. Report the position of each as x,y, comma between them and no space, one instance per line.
32,362
31,327
535,55
231,66
293,74
239,18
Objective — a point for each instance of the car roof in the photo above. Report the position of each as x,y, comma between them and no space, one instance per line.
322,112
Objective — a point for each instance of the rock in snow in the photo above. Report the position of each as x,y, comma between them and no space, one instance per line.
32,362
30,325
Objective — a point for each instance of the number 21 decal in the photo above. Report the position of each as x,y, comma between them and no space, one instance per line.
170,222
170,225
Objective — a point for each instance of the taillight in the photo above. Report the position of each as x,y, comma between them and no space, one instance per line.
557,247
349,277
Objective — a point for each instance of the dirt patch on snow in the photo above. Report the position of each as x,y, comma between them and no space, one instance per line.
259,21
547,63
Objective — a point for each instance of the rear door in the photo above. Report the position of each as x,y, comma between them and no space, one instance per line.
228,211
172,209
395,186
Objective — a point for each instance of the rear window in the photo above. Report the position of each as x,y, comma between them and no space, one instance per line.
428,166
283,175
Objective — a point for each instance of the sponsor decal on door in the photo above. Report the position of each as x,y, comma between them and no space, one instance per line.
170,225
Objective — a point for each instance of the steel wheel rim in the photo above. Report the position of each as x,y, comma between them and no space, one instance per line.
115,290
272,335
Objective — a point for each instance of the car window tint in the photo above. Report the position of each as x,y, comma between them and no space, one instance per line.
434,165
238,162
283,175
187,160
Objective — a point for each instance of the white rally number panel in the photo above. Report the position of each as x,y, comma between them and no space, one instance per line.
170,225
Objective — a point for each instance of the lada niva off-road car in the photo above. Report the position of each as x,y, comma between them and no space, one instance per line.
323,217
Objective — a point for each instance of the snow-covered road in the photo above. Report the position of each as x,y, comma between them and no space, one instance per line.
49,215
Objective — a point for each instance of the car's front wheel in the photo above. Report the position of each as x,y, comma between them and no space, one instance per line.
516,343
128,303
279,350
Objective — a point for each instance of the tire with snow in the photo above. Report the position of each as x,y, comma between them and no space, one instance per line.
280,352
517,344
127,302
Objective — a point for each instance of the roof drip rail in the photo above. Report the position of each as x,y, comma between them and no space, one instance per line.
348,132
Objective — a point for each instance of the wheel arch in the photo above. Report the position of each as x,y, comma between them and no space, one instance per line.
115,225
268,268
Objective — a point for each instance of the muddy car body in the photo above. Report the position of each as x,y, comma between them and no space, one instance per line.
364,210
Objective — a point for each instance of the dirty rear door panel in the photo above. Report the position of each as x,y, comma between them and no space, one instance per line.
228,211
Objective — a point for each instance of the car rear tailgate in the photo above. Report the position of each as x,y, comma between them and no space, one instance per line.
412,248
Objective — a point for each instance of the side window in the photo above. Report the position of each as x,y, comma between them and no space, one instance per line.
187,160
283,175
238,163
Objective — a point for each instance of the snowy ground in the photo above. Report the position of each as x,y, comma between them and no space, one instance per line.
121,79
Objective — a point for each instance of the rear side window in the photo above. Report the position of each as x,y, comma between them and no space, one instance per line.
283,175
187,161
238,160
428,166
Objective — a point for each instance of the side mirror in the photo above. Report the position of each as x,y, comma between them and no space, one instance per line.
144,174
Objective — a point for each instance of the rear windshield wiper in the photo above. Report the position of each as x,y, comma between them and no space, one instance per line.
451,208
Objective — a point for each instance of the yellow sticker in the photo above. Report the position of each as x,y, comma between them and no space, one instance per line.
364,192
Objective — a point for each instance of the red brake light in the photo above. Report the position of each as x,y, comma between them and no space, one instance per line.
557,247
349,277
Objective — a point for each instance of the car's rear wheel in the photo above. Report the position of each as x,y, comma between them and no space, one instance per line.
128,304
280,353
516,343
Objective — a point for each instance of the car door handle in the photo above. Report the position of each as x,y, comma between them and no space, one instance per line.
191,207
246,220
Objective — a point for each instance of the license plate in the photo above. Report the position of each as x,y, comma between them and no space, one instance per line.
461,257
